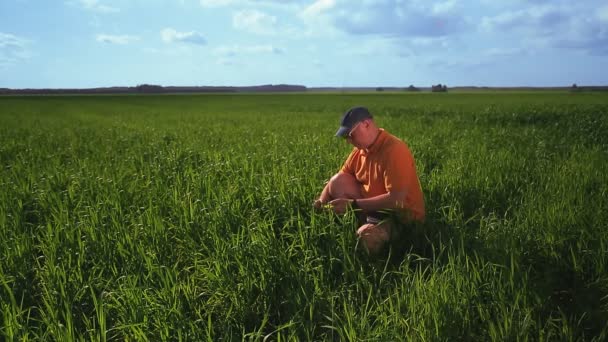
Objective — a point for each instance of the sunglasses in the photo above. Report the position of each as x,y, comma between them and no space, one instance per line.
350,134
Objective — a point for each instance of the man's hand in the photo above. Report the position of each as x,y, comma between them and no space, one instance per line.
320,205
340,205
317,204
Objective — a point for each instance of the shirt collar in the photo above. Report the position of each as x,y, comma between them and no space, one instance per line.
375,146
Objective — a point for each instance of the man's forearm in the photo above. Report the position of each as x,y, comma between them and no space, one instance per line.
384,201
324,198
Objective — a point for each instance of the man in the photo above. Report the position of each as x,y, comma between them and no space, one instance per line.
378,176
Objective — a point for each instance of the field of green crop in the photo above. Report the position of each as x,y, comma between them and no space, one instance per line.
189,217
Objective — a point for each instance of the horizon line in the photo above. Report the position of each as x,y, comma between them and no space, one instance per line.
304,86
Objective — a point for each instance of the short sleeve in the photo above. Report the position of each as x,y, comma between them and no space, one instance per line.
349,166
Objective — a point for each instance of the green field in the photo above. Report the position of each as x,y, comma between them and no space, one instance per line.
189,217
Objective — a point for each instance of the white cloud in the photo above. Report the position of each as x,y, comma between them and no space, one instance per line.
116,39
241,3
95,5
432,42
12,49
318,7
233,50
602,14
475,59
254,21
444,7
169,35
265,49
541,18
585,34
567,27
460,64
318,20
388,17
8,40
503,52
503,20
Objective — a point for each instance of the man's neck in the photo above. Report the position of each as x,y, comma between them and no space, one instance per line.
374,141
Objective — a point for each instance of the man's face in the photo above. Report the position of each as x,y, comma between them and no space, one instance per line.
357,134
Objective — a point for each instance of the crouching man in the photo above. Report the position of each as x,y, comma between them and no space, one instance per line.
378,178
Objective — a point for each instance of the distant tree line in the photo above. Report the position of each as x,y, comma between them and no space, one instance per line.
439,88
157,89
577,89
149,88
434,88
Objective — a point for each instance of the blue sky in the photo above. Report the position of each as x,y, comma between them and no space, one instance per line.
96,43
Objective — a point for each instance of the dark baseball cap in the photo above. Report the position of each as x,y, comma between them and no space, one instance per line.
351,118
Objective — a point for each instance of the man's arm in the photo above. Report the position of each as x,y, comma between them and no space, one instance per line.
347,167
390,200
323,198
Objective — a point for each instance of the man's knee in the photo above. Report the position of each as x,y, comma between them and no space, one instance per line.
344,185
374,236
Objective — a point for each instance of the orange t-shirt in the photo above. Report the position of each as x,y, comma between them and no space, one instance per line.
388,165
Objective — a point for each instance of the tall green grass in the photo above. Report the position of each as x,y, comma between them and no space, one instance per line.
190,218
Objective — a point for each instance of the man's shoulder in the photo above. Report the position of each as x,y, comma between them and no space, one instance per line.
354,154
393,143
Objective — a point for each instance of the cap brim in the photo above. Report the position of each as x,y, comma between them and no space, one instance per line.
342,131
